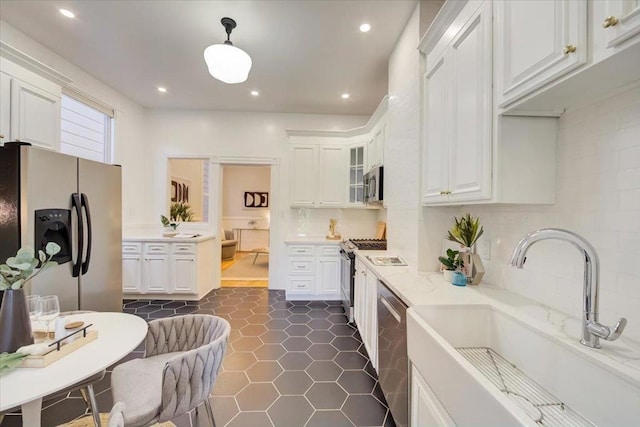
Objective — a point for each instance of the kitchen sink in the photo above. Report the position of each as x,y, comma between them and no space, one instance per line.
490,368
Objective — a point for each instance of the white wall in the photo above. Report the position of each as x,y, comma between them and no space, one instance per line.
191,170
402,148
238,179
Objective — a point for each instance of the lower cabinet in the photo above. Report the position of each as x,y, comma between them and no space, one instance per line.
167,268
313,272
425,408
366,309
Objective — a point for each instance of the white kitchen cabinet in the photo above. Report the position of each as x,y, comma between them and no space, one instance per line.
471,155
318,175
162,267
356,175
621,21
425,408
536,43
366,309
5,107
131,273
313,271
331,176
457,162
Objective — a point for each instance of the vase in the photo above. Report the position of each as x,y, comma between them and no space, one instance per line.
448,275
15,325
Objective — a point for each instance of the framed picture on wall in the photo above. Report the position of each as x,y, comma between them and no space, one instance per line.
256,199
180,190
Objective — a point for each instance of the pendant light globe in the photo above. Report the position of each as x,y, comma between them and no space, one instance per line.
226,62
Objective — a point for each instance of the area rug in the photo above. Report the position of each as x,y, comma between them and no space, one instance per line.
87,421
244,269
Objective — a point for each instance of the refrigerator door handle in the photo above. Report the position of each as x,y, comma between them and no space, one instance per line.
85,204
77,205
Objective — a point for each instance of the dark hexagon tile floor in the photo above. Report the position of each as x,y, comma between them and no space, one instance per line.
288,364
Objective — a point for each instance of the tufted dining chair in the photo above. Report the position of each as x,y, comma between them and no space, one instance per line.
183,355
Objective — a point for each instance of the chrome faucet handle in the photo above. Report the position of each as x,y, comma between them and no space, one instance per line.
606,332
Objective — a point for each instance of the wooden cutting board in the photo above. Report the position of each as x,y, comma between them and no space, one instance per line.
381,230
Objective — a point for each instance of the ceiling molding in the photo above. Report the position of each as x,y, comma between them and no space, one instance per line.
241,160
373,120
30,63
440,24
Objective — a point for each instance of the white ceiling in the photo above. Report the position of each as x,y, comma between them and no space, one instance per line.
305,53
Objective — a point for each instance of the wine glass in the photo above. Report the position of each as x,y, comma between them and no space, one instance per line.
50,310
34,305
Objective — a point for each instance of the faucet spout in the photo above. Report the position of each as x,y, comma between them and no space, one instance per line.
592,331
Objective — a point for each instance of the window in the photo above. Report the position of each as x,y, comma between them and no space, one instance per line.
86,128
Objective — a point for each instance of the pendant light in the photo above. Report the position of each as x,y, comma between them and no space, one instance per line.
226,62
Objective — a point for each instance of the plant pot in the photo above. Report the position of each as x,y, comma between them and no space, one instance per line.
448,275
15,325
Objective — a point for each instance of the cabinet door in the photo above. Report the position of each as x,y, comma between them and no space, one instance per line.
332,176
183,274
536,41
5,107
304,174
437,132
156,274
356,174
131,273
372,318
358,299
328,276
35,115
426,409
470,143
622,21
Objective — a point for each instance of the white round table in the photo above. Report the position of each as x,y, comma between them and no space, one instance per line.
118,335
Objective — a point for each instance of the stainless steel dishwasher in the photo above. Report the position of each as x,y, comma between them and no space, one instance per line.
393,363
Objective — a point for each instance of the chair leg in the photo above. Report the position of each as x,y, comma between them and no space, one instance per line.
90,398
207,405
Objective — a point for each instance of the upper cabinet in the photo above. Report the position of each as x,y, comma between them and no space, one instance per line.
29,102
537,42
318,175
458,114
470,154
620,21
328,167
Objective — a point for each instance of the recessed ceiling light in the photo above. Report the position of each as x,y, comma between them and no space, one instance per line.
345,96
162,89
67,13
365,28
255,93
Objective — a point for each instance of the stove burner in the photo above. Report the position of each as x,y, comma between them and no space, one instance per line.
369,244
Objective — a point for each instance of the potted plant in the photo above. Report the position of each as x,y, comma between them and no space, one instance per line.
451,263
466,231
15,273
181,212
170,226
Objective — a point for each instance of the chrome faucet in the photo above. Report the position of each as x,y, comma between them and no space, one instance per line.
592,331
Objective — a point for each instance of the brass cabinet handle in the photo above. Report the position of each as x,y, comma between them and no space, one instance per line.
569,49
610,21
444,193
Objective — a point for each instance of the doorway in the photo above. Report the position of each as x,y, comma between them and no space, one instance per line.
245,221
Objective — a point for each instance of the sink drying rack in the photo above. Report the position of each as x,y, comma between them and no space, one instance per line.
543,407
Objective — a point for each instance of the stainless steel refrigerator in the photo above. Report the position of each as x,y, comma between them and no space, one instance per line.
48,196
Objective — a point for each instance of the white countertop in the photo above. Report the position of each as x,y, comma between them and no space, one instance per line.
621,357
311,240
156,237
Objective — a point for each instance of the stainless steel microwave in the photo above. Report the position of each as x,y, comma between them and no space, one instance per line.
373,181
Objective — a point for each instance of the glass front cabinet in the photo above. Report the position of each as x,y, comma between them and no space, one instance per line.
356,174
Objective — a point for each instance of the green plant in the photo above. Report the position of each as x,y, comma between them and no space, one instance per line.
181,212
19,269
10,361
165,222
466,231
452,261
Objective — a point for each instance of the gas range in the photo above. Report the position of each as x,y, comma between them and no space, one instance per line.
366,244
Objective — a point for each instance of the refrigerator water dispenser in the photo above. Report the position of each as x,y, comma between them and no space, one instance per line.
54,225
